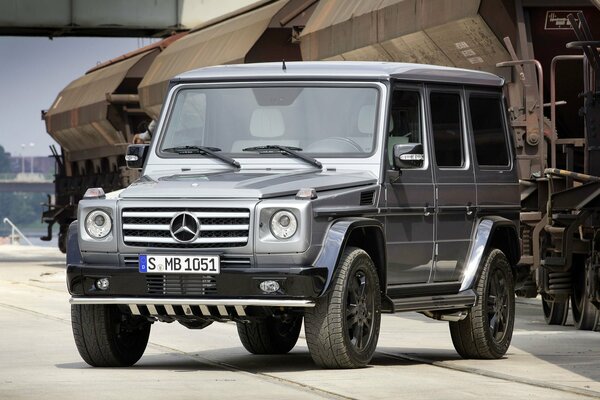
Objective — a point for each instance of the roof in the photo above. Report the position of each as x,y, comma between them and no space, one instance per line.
342,70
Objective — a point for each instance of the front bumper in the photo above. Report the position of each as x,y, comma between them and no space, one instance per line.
296,283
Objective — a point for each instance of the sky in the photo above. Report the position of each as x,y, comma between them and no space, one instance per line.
32,73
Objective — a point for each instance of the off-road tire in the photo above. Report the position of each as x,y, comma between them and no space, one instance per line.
271,335
353,302
555,312
473,337
107,337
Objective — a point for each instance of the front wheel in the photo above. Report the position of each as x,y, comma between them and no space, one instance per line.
487,331
107,337
270,335
343,327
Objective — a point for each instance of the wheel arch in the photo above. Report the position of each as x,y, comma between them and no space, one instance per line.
491,232
365,233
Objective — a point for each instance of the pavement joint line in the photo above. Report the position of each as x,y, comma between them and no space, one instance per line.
36,313
30,285
497,375
196,357
266,376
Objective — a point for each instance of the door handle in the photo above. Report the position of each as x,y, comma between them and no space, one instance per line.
470,209
428,210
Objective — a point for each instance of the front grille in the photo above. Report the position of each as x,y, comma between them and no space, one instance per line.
180,285
219,227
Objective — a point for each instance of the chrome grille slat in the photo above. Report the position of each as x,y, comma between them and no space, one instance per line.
202,227
171,214
219,227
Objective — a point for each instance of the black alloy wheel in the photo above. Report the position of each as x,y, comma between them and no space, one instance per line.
360,310
498,307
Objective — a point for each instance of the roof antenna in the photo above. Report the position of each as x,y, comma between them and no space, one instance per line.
283,66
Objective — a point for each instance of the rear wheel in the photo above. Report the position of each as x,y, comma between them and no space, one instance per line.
271,335
343,327
107,337
487,331
555,312
585,315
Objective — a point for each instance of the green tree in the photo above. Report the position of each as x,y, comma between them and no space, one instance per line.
23,209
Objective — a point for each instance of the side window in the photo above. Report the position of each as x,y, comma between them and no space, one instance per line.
447,132
405,120
488,130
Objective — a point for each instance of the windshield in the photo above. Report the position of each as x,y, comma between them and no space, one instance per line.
314,121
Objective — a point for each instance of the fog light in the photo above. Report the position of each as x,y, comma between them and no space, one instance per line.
269,286
102,284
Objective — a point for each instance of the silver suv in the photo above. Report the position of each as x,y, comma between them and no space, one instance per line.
325,192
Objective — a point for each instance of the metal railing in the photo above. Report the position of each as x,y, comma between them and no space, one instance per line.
14,231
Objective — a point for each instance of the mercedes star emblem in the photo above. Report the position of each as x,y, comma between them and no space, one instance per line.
185,227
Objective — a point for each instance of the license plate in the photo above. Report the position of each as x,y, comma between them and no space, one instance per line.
166,264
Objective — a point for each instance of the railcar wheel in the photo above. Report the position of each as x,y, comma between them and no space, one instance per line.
555,312
585,315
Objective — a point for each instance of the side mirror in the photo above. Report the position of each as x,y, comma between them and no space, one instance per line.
409,155
136,155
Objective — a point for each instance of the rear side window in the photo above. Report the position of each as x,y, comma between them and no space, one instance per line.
488,130
447,132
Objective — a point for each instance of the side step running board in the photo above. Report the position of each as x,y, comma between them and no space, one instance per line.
465,299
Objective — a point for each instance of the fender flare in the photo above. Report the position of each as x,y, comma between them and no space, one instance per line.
73,252
481,243
336,240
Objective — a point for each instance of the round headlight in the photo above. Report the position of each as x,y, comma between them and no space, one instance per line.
98,224
283,224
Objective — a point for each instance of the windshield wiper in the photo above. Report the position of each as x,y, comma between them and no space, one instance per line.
211,151
289,150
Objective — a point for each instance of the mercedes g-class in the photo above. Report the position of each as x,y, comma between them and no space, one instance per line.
323,192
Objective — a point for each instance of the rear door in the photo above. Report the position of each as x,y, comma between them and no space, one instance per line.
495,173
455,191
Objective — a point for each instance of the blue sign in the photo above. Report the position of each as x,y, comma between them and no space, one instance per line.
143,263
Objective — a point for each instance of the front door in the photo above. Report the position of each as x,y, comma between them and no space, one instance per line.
410,194
454,182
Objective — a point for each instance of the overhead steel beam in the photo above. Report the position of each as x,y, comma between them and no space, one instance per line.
124,18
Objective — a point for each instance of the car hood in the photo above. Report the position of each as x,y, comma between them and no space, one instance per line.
242,184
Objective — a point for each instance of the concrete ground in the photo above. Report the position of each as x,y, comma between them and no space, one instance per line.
415,357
